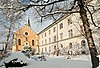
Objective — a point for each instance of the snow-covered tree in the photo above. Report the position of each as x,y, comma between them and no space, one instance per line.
54,8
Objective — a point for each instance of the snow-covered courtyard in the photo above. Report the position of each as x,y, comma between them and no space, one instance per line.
82,61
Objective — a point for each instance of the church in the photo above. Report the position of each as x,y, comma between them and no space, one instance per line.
25,37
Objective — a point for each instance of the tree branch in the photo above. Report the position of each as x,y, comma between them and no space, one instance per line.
46,3
51,8
58,12
92,17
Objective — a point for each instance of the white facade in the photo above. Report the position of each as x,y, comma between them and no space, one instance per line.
68,35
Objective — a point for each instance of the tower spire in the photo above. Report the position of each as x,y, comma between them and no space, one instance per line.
29,22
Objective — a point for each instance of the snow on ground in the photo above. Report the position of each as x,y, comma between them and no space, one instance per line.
14,55
82,61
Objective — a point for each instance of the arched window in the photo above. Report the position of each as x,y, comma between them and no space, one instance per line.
32,42
70,33
61,25
45,49
54,47
19,41
42,50
70,45
49,49
61,45
83,43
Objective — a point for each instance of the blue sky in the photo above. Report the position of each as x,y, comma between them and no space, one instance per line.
35,25
26,1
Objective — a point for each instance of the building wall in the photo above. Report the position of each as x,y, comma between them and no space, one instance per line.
60,41
26,39
76,38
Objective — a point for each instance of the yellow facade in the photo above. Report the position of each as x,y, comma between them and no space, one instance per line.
25,37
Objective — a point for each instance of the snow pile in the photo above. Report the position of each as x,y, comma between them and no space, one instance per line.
14,55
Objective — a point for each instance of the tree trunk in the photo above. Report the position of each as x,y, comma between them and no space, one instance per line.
8,36
88,34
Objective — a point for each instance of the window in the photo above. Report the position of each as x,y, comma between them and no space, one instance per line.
54,38
45,41
26,43
61,45
83,43
54,47
69,21
54,29
42,35
61,36
70,45
99,41
32,42
49,49
19,41
49,32
49,40
81,29
26,39
70,33
45,49
45,34
26,33
42,42
61,25
42,50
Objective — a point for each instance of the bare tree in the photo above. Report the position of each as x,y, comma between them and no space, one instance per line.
8,21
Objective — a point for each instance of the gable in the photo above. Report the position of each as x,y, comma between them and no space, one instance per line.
24,29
